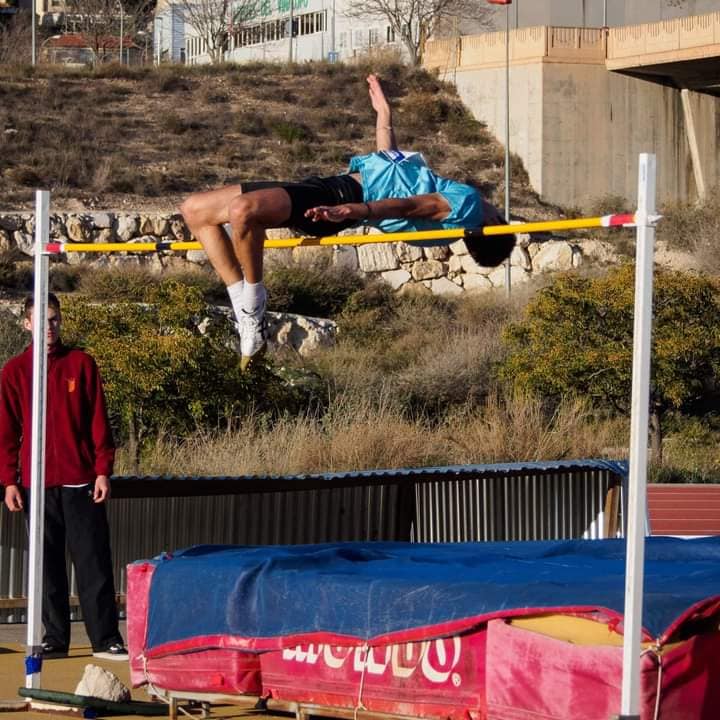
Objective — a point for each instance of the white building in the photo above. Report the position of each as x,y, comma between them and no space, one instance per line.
168,33
321,31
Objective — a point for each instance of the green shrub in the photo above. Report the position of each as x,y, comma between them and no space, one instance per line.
314,288
691,451
13,338
160,372
116,71
15,274
250,122
120,283
291,132
577,338
213,96
622,238
65,278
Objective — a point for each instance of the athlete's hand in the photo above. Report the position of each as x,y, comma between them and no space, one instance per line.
377,96
338,213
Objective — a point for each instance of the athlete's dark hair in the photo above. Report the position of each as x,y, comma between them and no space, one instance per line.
490,251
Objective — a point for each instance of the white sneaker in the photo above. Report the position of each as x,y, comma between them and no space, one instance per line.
116,651
253,335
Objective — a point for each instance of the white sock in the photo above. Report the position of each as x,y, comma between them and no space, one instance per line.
235,292
253,297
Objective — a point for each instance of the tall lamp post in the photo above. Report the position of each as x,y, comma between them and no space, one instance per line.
507,4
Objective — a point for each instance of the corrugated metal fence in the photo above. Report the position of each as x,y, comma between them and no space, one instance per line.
150,515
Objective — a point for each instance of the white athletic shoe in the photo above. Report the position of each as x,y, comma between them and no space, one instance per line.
253,335
116,651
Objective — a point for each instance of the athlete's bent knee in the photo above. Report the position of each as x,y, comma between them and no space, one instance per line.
191,210
242,212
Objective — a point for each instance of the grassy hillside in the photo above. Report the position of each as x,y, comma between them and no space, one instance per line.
140,139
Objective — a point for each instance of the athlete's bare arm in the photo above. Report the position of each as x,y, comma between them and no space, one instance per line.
384,133
432,206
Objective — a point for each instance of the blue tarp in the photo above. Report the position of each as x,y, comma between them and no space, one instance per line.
368,590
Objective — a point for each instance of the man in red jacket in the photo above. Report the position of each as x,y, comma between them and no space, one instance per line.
79,455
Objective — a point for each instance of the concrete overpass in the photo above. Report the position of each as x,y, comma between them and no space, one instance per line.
586,101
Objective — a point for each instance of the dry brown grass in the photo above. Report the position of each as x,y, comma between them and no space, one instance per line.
353,433
156,134
426,352
520,427
694,227
371,432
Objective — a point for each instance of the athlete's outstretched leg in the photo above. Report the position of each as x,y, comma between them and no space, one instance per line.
238,260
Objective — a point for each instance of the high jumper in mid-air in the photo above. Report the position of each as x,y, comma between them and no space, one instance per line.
390,189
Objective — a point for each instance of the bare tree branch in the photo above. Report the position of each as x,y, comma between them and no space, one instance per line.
99,22
15,39
215,20
414,21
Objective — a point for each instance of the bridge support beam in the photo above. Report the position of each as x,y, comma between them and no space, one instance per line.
693,143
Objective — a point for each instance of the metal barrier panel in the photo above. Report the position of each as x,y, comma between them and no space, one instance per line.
145,527
537,506
13,566
149,516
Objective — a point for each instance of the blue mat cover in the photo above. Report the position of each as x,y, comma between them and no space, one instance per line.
353,592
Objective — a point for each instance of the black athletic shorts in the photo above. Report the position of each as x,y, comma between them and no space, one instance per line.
311,192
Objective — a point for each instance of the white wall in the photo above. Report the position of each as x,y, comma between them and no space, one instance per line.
576,13
346,37
169,35
579,129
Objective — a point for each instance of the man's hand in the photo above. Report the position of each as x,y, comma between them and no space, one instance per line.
13,498
101,493
338,213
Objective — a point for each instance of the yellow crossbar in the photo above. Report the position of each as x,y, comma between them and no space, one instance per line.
408,237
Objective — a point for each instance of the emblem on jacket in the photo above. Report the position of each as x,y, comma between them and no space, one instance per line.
71,385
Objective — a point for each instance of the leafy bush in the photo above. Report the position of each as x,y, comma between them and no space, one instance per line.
160,371
313,288
120,283
577,337
426,354
290,132
250,122
13,338
65,278
15,274
690,451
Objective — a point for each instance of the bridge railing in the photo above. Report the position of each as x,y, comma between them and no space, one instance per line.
616,47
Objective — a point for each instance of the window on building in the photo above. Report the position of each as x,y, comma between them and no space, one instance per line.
374,36
342,39
389,34
359,38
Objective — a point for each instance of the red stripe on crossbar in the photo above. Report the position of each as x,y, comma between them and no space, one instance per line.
54,248
622,219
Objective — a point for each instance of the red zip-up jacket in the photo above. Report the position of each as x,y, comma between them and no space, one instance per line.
78,438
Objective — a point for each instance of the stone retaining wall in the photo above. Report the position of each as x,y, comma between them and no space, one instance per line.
440,270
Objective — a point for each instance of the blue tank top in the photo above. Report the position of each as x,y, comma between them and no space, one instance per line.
395,174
